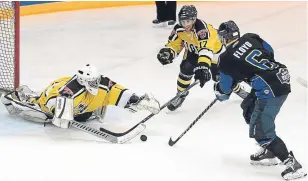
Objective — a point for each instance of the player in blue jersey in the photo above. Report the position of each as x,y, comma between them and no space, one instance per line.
251,59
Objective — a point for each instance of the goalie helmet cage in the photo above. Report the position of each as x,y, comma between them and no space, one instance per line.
9,45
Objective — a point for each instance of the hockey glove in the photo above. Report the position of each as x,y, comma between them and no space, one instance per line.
220,95
145,102
166,55
202,73
248,105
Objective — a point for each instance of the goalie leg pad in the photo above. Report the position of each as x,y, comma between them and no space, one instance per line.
32,115
24,93
10,106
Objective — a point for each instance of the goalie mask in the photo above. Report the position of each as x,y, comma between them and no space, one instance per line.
89,77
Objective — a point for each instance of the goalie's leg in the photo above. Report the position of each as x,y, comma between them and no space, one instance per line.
9,106
25,110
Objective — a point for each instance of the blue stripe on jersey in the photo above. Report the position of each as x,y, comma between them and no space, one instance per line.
267,47
263,141
263,90
225,83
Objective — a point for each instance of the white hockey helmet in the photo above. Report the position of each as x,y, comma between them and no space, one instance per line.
89,77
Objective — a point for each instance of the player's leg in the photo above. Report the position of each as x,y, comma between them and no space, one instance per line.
171,13
248,105
189,62
262,128
160,10
28,108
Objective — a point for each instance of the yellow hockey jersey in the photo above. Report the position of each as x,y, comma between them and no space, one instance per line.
109,93
203,40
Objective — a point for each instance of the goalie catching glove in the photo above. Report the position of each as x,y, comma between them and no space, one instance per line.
145,102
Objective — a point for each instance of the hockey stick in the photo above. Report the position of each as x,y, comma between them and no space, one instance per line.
302,82
171,143
141,123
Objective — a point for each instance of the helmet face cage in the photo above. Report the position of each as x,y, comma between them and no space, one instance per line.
228,32
187,12
94,83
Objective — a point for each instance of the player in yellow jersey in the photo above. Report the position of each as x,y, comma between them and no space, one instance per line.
90,91
202,49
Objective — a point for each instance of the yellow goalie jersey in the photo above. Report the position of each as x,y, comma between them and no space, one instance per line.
203,41
109,93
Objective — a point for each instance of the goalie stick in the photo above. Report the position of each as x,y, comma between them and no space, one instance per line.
171,143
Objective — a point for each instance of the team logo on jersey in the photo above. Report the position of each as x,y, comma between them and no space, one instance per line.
202,34
283,76
80,108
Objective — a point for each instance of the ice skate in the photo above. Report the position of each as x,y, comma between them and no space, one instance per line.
293,169
263,157
177,102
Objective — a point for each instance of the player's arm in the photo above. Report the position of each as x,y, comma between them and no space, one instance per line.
205,52
223,88
172,48
120,96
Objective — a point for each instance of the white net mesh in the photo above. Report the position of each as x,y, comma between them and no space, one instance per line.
7,45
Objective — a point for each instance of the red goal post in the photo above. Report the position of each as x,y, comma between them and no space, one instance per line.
9,44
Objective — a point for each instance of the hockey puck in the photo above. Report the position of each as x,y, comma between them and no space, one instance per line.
143,137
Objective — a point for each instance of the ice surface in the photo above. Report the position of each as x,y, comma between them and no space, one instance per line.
123,45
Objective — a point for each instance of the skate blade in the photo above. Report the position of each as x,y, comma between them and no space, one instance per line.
267,162
160,25
296,175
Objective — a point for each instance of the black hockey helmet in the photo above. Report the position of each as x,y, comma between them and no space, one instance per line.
188,12
228,32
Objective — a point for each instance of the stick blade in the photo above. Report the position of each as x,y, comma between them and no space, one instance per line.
171,143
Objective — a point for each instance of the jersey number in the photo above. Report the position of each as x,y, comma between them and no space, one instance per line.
191,48
254,59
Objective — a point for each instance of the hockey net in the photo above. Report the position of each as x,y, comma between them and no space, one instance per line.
9,45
